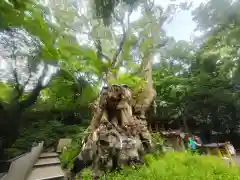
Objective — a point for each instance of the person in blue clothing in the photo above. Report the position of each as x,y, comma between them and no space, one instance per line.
191,144
194,144
198,140
199,143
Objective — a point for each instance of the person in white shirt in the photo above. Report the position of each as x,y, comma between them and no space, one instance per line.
231,149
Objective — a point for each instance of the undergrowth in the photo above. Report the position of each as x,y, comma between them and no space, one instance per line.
48,131
176,166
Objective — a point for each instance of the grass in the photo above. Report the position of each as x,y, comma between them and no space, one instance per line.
176,166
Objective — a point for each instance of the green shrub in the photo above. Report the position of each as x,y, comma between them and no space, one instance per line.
158,142
68,155
178,166
48,131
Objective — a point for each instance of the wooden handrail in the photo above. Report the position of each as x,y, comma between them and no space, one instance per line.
17,170
17,157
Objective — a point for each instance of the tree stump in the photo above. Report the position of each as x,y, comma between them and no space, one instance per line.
118,133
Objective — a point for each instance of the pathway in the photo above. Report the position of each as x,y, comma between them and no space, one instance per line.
236,159
47,167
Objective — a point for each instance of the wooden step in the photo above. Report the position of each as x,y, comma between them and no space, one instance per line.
47,161
48,155
53,172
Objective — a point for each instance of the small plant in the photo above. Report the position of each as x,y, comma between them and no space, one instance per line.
68,154
158,142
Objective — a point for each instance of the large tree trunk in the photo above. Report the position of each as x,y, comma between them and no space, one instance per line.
147,94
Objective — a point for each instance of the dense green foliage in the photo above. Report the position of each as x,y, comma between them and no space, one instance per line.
202,84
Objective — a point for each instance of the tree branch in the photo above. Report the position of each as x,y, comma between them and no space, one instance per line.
143,63
125,32
160,45
17,85
99,48
32,98
100,54
29,77
97,44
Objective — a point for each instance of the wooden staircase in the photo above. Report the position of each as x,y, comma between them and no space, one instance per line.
36,164
47,167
